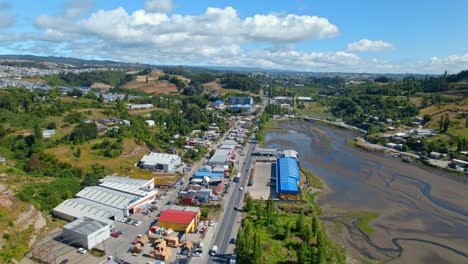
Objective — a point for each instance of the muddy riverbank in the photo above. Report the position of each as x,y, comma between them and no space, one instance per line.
422,212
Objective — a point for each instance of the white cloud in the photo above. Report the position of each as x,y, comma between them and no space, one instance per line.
364,45
6,20
159,6
78,8
219,36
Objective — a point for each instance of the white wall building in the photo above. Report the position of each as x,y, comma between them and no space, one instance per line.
87,232
160,161
150,123
140,106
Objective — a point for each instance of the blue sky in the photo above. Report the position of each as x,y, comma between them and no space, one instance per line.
329,35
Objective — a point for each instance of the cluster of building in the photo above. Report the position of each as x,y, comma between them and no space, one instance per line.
14,71
4,83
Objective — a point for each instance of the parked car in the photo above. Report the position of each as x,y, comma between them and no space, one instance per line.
206,223
211,223
241,188
81,250
123,220
115,234
137,223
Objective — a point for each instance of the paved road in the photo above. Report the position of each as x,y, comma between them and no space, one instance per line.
225,228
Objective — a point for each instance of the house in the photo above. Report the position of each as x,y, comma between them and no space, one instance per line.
204,195
102,128
423,132
436,155
2,159
287,178
160,161
150,123
48,133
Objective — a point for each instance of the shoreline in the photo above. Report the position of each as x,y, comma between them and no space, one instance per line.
388,242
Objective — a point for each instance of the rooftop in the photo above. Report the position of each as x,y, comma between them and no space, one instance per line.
79,207
107,196
159,158
85,225
287,175
177,216
126,180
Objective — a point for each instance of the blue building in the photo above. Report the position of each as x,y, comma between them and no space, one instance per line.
287,178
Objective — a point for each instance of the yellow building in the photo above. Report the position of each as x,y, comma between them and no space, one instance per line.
180,219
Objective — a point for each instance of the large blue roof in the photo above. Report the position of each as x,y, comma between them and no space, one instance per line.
201,174
287,175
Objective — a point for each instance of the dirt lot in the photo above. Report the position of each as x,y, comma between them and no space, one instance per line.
153,85
261,188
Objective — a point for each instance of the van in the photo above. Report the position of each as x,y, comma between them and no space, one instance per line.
213,251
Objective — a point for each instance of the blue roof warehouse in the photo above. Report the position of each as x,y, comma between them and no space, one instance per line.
287,178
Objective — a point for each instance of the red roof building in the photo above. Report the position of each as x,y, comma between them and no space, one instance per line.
179,220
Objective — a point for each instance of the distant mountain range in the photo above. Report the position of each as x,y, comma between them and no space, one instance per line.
125,65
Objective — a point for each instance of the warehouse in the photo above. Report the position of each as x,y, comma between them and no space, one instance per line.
86,232
160,161
287,178
182,219
114,198
220,157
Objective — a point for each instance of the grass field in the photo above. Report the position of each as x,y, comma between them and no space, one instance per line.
313,109
132,154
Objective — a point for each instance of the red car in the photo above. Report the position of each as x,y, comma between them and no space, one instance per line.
115,234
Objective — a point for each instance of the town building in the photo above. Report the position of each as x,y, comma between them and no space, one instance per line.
305,99
287,178
182,219
150,123
114,198
220,157
160,161
87,232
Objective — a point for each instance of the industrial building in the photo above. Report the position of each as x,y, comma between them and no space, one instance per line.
87,232
287,178
140,106
114,198
160,161
178,218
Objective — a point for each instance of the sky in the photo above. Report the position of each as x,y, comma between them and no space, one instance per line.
397,36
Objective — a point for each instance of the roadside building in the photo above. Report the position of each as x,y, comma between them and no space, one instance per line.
182,219
305,99
220,157
87,232
289,153
287,178
160,161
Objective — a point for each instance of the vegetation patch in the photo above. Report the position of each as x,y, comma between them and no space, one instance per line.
364,219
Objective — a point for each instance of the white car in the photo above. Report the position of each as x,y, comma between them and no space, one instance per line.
211,223
138,223
123,220
206,223
81,250
241,188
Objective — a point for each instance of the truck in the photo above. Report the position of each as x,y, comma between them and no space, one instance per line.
214,250
237,178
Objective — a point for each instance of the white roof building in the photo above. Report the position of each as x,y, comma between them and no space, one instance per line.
87,232
150,122
160,161
139,106
220,157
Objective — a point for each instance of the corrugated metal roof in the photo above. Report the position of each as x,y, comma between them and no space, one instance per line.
79,207
85,226
201,174
176,216
135,190
107,196
220,157
287,175
183,208
159,158
126,180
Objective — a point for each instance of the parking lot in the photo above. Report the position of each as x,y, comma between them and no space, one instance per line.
263,187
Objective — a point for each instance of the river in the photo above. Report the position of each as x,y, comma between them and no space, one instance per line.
422,212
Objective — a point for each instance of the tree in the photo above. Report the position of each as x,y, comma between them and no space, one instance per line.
259,210
249,204
321,246
426,118
301,253
34,163
37,132
257,250
300,223
446,123
315,225
270,210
